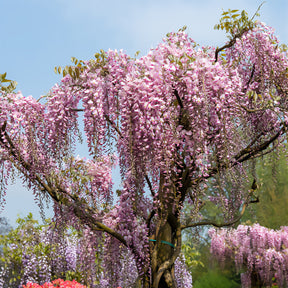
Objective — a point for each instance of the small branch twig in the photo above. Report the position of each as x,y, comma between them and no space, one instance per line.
178,99
150,185
107,119
250,79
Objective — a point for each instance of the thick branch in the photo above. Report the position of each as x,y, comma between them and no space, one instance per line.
148,221
245,154
207,222
84,213
81,210
230,43
248,153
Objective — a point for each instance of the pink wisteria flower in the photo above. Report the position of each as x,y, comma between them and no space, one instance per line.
178,118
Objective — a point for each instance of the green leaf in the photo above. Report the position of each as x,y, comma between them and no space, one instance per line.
235,15
77,72
3,76
70,71
137,53
5,80
183,28
233,11
65,72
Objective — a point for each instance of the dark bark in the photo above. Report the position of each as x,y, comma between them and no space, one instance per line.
163,252
165,249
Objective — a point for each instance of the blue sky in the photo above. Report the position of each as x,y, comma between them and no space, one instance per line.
38,35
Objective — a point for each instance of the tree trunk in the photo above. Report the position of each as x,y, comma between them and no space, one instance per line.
165,245
163,254
255,280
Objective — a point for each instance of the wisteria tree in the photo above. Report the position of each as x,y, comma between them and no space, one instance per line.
178,121
260,253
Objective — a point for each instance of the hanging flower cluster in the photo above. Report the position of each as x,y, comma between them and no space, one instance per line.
174,117
262,252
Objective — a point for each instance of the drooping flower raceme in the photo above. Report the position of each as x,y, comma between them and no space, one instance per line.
262,252
175,118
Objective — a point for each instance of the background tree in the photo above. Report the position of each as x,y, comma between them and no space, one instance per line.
175,119
272,177
5,226
270,212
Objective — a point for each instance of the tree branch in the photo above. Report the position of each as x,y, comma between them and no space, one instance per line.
150,185
148,221
245,154
230,43
113,125
107,119
178,99
207,222
250,79
248,153
81,210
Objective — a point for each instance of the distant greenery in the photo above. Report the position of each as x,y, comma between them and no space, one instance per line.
272,179
215,279
271,211
5,226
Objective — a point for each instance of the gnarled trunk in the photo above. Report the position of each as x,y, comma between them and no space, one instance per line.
164,252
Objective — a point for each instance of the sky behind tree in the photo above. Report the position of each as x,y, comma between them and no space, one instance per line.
38,35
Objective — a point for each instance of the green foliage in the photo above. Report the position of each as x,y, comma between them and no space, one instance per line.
73,71
16,244
211,211
215,279
5,227
271,211
203,268
192,255
6,85
74,275
79,66
234,22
